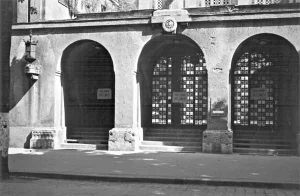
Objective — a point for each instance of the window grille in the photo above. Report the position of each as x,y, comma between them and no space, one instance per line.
256,70
192,81
161,92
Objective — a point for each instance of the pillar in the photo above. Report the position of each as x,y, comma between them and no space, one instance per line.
218,136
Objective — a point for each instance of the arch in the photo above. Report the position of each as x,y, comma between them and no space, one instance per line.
161,68
264,81
88,82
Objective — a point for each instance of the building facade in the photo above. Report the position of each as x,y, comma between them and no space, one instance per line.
208,76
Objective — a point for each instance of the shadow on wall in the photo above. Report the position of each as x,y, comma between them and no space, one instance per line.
20,83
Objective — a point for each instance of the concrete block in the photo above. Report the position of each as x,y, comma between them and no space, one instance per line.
217,141
179,15
122,139
4,135
43,139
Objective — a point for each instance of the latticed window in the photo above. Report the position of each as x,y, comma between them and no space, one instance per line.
186,76
256,81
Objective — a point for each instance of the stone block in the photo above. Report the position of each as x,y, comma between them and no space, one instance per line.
43,139
217,141
180,15
4,135
122,139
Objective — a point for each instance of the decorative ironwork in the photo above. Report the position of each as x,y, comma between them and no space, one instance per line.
192,81
256,89
161,92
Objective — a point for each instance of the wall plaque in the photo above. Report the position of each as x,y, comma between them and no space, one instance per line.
104,93
259,94
179,97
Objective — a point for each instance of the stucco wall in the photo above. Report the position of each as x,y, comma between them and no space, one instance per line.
41,104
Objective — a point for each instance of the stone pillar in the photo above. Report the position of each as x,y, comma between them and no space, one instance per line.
218,136
125,136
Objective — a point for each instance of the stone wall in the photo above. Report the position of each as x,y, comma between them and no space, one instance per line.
40,104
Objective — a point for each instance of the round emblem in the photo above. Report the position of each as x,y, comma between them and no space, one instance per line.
169,24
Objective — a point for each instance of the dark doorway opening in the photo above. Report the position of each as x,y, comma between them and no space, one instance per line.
89,83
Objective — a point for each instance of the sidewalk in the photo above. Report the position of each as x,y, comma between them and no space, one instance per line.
163,167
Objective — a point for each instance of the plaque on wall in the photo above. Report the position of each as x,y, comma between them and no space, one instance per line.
179,97
104,93
259,94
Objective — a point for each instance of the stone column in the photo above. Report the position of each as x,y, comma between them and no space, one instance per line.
125,136
218,136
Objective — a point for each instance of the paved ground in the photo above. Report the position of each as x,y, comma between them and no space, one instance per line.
184,166
47,187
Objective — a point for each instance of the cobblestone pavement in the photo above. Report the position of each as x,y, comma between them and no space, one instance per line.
17,186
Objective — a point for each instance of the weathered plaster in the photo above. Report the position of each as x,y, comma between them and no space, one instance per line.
218,40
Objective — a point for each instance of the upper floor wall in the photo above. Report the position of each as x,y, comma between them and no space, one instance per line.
46,10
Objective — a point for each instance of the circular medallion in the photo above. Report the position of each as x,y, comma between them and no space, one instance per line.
169,24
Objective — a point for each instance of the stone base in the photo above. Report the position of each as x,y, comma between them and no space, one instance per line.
217,141
123,139
43,139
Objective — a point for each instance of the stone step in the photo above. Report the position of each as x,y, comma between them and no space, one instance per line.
170,148
262,145
172,130
91,141
262,140
88,133
78,146
181,134
173,138
171,143
88,137
265,151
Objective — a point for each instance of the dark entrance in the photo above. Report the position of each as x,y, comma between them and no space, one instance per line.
88,83
173,94
265,95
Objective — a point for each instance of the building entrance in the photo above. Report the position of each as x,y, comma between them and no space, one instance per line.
265,95
88,82
173,94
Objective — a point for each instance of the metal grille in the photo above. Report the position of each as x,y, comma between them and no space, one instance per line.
256,79
161,92
159,4
193,82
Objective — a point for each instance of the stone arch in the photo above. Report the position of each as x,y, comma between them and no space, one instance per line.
176,47
265,94
88,82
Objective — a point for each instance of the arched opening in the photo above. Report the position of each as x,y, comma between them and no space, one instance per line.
88,83
264,80
173,81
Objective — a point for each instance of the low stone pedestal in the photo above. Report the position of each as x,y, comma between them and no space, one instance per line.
43,139
122,139
217,141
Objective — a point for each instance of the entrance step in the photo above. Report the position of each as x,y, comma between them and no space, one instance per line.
265,151
172,140
263,142
89,136
78,146
170,148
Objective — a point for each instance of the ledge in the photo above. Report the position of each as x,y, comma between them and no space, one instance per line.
142,17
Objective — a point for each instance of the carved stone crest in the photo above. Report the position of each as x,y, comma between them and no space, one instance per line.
169,24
